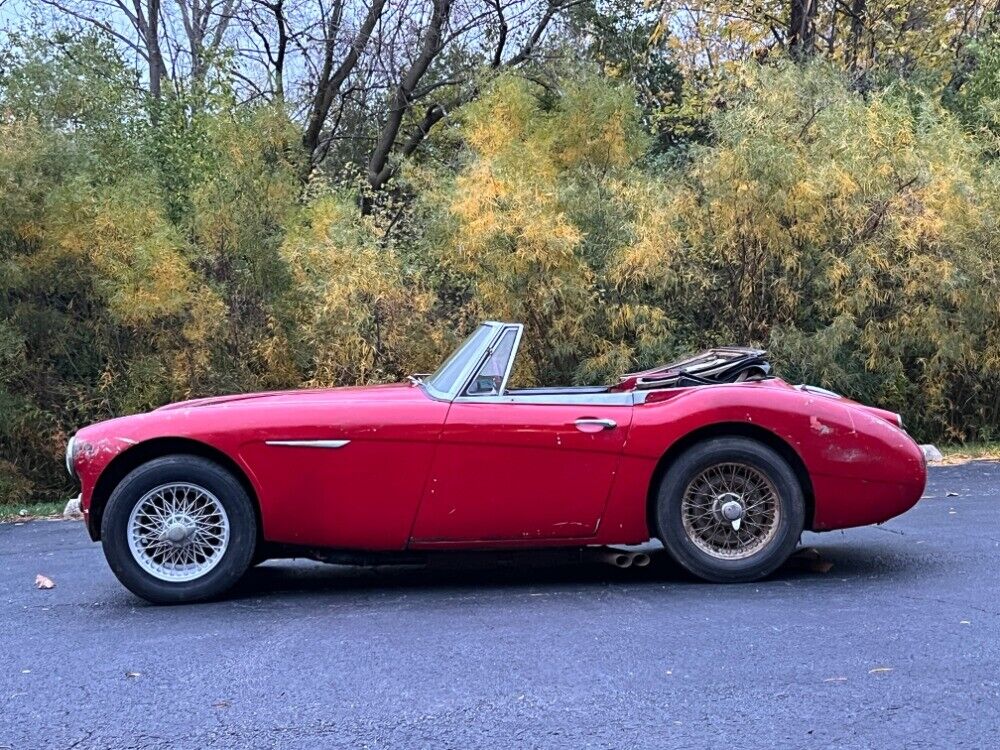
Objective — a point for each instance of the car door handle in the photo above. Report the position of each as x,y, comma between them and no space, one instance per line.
593,424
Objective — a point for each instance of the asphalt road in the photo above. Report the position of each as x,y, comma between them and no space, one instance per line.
896,645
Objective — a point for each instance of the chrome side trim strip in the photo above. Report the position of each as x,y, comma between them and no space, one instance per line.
625,398
309,443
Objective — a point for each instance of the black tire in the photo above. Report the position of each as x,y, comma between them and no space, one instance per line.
197,471
687,467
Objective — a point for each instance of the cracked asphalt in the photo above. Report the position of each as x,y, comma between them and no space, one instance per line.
896,645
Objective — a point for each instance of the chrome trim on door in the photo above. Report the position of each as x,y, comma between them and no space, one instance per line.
607,424
309,443
623,398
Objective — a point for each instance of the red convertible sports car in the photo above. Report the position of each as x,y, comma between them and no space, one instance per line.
722,462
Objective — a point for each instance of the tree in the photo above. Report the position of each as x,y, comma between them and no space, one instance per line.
332,75
854,233
193,32
368,80
865,36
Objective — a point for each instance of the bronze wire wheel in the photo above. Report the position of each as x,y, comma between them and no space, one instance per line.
730,511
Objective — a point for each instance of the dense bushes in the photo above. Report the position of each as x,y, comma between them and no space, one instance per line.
857,237
854,235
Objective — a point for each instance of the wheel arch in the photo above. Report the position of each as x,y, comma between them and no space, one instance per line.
148,450
732,429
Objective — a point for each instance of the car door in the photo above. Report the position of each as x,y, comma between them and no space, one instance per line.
521,468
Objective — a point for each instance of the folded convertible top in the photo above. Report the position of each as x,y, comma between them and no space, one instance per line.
725,364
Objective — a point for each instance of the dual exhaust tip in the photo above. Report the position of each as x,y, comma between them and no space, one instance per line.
622,559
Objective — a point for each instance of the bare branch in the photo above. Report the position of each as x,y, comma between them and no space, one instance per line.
330,81
379,168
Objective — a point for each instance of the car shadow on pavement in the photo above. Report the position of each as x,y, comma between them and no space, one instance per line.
810,566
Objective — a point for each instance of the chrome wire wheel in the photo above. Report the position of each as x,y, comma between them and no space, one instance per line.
731,511
178,532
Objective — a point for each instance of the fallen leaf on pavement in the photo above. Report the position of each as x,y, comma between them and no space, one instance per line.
41,582
951,494
133,674
879,670
221,704
835,679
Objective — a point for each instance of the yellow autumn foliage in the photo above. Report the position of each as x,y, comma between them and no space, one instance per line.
360,318
855,235
872,36
514,236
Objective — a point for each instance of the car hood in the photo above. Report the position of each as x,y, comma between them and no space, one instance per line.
391,392
206,418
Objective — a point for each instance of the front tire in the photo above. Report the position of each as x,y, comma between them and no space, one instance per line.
730,510
179,529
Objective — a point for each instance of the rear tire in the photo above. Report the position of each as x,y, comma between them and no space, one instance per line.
730,510
179,529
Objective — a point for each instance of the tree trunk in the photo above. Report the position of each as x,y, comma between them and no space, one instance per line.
329,81
379,167
858,9
802,28
281,51
155,57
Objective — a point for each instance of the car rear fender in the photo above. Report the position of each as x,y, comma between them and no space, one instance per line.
858,467
732,429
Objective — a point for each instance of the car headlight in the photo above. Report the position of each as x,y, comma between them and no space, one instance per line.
70,456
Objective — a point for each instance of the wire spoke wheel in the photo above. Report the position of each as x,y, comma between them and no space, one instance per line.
731,510
178,532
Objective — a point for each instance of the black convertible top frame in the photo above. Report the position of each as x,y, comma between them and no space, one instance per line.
724,364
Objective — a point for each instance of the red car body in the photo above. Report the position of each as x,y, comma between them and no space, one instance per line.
399,467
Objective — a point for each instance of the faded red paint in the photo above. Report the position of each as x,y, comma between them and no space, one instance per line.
422,473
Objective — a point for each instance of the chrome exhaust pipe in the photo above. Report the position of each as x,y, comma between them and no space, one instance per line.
614,558
640,559
620,558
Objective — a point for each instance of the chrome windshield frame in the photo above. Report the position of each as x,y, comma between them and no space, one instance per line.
478,360
474,362
484,358
513,354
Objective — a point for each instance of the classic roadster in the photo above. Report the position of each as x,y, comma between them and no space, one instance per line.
712,455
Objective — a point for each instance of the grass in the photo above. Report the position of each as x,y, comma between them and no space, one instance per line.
27,511
960,452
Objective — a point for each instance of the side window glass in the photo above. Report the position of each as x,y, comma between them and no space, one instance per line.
489,379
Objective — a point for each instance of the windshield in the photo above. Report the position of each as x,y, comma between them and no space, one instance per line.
446,377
